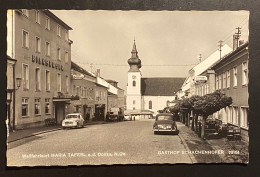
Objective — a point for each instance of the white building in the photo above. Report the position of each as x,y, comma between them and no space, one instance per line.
145,96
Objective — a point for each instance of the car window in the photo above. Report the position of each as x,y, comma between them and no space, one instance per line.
164,118
71,116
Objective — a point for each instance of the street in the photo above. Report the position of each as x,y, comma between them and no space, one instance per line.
128,142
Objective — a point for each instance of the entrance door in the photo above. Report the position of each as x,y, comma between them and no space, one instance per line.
59,112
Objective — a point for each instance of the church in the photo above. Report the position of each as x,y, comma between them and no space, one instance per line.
145,96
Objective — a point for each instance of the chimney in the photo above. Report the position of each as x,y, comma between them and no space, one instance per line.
235,41
241,42
98,72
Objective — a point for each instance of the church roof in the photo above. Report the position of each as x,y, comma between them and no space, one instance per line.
161,86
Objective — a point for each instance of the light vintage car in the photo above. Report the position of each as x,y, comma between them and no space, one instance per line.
73,121
127,117
165,122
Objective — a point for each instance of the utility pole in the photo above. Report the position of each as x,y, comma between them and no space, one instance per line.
220,47
91,66
200,57
238,34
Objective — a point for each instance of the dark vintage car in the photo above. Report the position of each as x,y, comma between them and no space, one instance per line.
165,122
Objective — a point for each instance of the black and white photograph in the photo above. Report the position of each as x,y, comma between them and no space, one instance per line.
103,87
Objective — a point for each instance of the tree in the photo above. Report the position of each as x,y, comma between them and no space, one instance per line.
209,104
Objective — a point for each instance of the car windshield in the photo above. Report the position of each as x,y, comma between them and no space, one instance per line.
72,116
164,118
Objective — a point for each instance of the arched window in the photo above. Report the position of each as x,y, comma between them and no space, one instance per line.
134,83
133,101
150,104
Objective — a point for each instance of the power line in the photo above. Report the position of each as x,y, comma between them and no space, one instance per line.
105,64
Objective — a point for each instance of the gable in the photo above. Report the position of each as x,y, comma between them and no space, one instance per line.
161,86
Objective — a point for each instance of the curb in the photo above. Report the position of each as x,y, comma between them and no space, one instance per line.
34,134
192,157
46,131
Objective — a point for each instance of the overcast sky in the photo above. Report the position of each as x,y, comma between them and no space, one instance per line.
168,39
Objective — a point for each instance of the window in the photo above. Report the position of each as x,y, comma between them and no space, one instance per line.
229,114
220,81
235,76
59,82
58,54
25,12
25,107
58,31
25,77
82,91
48,80
74,90
244,73
25,39
150,104
37,106
47,105
78,90
67,84
133,101
66,35
244,117
224,80
228,78
217,83
97,96
235,115
85,92
47,49
38,79
66,57
47,23
38,44
37,16
134,83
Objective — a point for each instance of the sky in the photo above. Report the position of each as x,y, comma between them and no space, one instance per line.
168,42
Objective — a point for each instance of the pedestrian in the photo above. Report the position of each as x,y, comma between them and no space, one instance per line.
87,116
134,117
107,116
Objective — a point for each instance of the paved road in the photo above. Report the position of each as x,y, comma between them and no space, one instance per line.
129,142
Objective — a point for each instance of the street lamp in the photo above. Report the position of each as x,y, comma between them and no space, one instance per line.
18,82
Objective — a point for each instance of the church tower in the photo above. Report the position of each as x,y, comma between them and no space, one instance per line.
133,97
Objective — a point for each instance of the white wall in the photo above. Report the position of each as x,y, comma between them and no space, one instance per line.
129,102
10,21
137,89
133,93
158,102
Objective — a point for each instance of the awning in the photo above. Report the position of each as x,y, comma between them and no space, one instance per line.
136,111
59,100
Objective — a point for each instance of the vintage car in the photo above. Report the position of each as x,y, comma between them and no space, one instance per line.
165,122
73,120
127,117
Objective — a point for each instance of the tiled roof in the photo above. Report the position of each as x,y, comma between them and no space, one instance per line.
161,86
80,69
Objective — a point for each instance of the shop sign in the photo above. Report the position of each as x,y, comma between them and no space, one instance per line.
46,63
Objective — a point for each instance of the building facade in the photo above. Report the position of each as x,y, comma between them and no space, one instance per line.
100,101
116,100
231,78
10,92
40,43
82,91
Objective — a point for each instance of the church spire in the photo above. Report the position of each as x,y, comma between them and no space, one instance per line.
134,51
134,62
